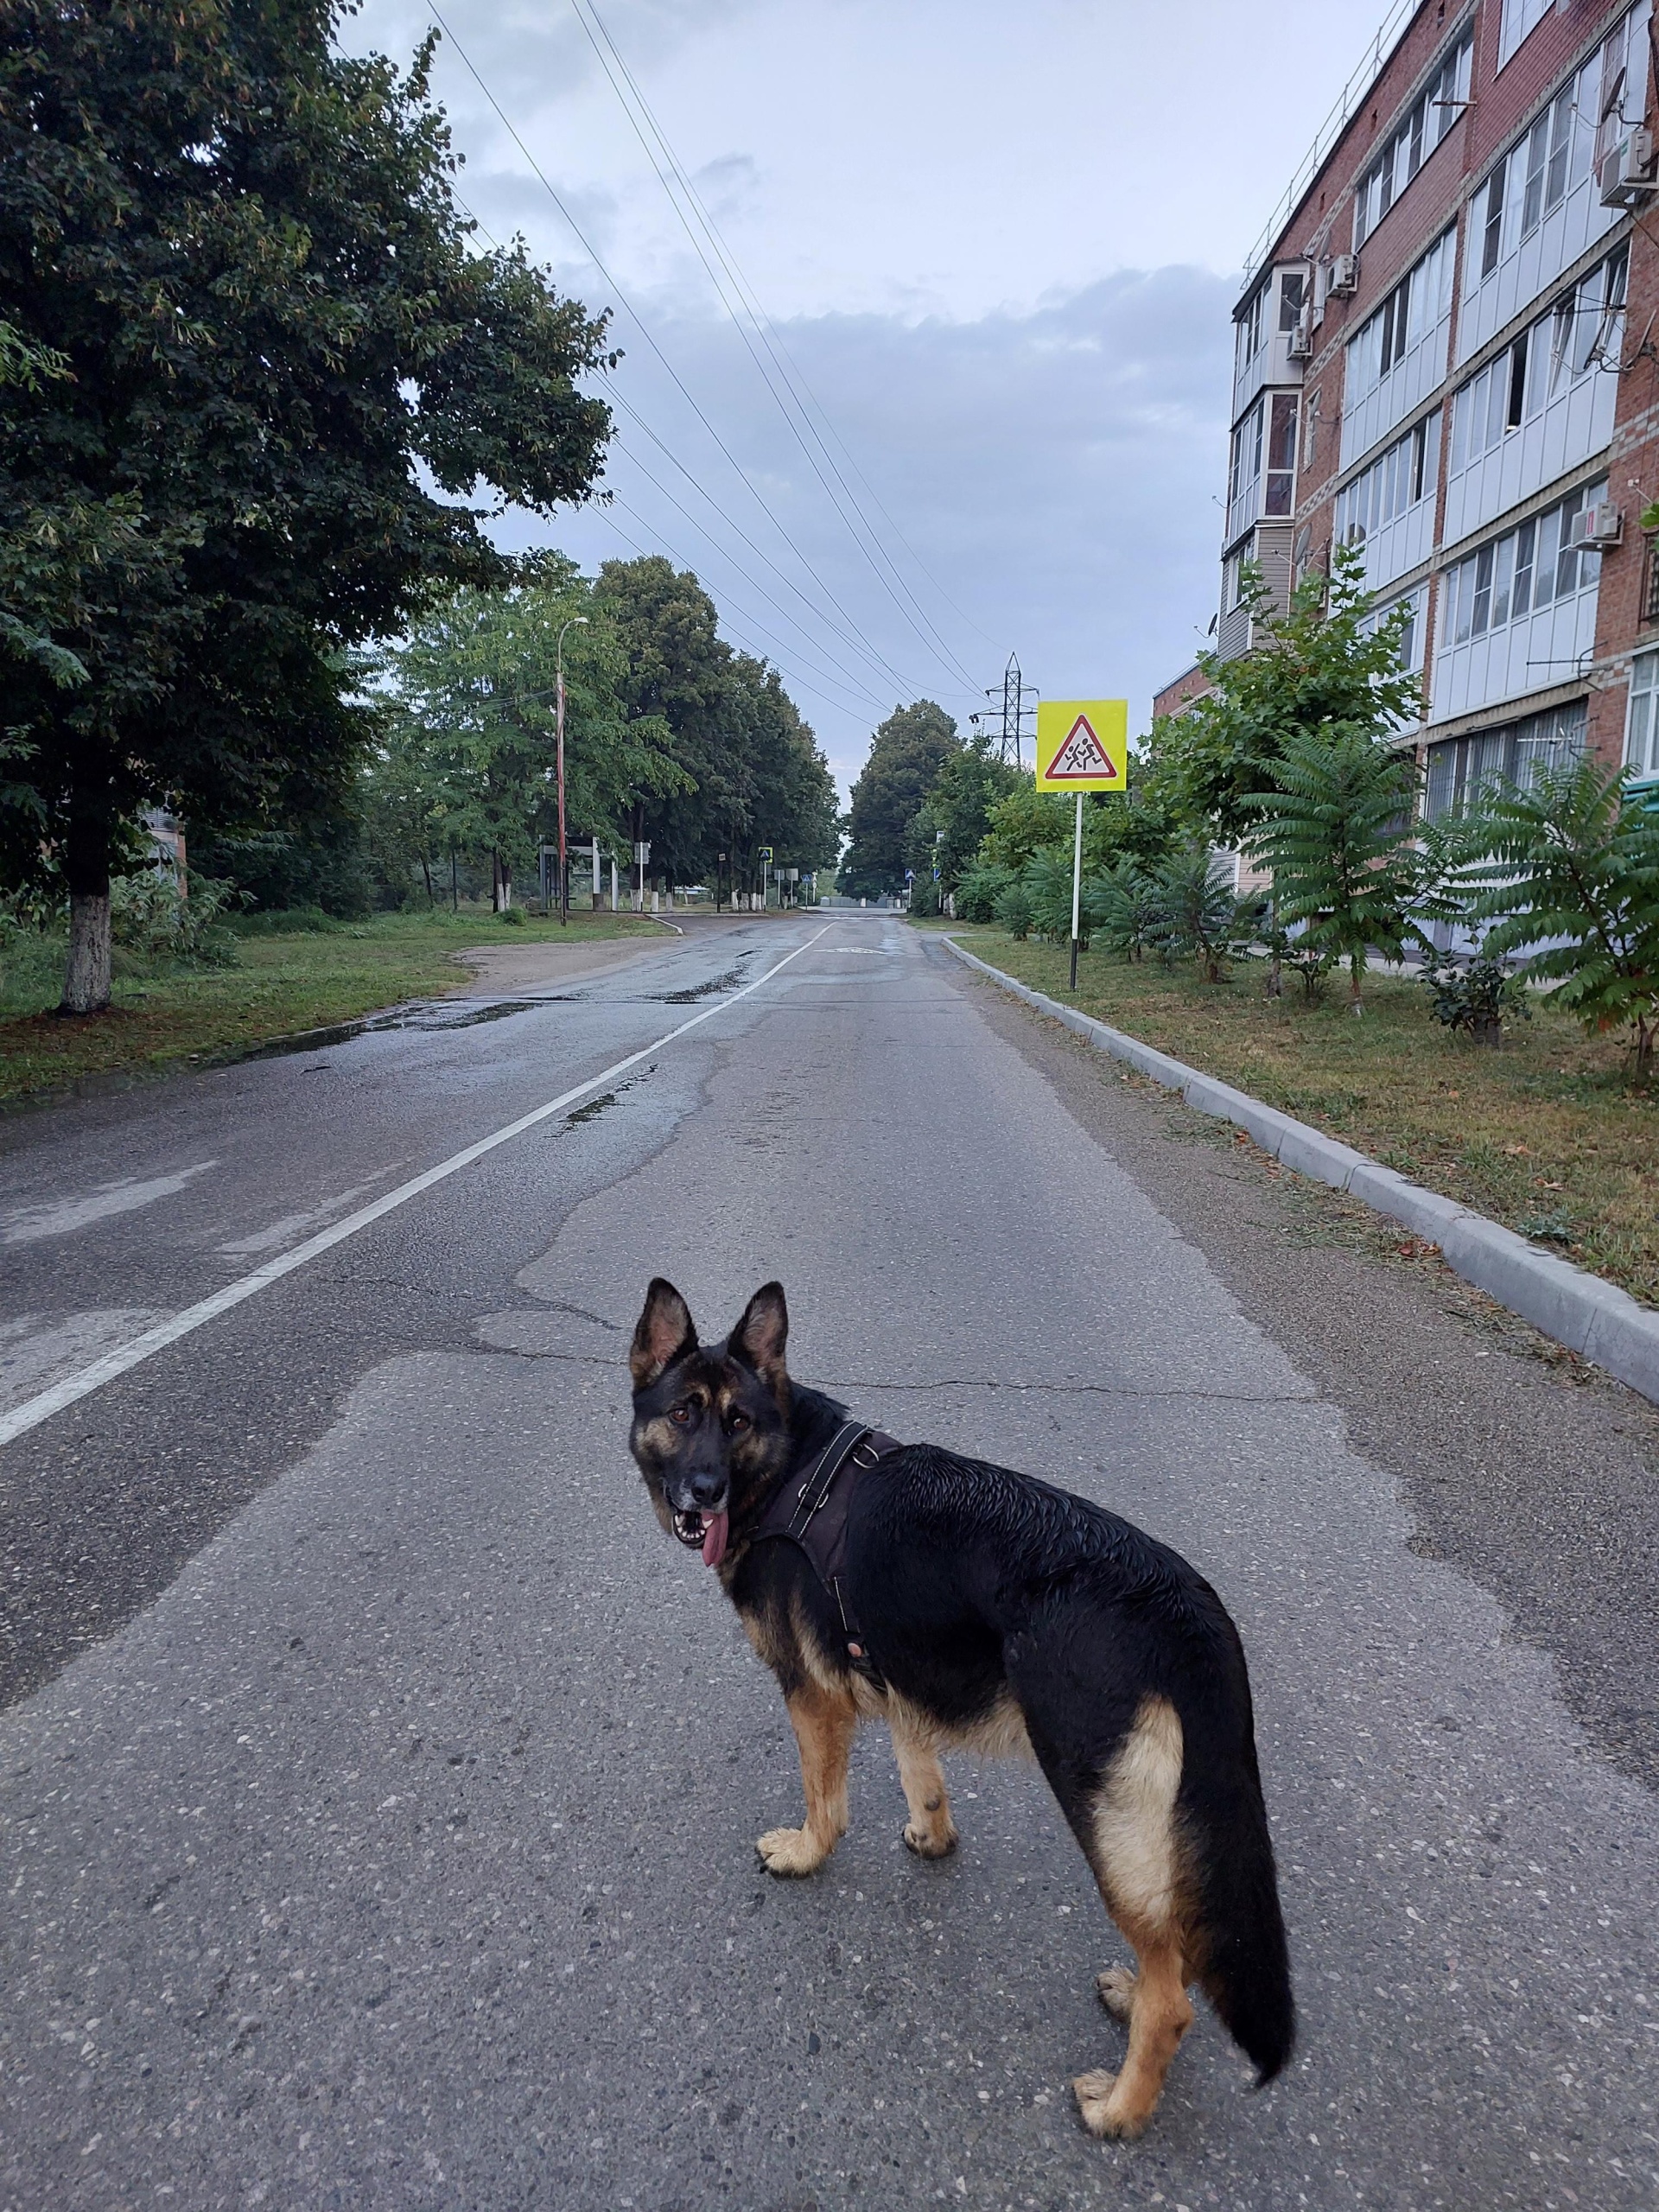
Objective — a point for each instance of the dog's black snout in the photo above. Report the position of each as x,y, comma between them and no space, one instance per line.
705,1487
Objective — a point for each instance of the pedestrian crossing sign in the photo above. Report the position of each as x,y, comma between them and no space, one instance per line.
1083,745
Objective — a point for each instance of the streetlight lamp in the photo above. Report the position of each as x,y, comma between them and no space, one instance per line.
576,621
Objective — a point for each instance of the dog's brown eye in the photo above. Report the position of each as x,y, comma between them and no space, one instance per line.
679,1415
740,1422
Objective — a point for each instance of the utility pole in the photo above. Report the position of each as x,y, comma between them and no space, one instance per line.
575,621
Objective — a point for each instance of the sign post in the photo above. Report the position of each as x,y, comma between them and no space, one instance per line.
1083,745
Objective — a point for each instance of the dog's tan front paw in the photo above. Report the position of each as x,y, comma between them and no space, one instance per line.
789,1851
1097,2096
1115,1990
937,1840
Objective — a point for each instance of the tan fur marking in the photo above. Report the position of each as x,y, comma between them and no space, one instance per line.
1137,1846
1001,1734
824,1726
658,1436
930,1833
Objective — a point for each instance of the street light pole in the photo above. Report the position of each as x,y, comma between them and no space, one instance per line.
575,621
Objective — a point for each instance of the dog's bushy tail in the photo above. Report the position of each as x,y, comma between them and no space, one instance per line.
1245,1959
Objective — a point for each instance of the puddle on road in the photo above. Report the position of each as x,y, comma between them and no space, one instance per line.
428,1019
728,982
592,1110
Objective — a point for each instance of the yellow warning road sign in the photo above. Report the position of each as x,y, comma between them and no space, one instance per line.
1083,745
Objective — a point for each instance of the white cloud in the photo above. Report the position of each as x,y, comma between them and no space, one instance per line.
1003,245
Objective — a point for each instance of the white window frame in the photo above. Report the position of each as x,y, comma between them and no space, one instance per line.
1419,132
1642,716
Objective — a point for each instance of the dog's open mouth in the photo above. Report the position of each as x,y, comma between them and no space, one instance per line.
704,1533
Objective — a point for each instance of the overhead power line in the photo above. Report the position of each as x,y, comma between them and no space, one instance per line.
594,255
843,679
777,369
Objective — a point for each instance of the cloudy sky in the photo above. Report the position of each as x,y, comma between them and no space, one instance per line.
992,253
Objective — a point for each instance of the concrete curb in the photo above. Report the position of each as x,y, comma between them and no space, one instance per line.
1595,1318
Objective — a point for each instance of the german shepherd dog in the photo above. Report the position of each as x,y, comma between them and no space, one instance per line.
1003,1615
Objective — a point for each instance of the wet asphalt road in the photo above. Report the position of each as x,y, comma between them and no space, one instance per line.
377,1802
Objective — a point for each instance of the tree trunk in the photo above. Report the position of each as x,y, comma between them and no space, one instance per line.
426,874
86,976
1355,968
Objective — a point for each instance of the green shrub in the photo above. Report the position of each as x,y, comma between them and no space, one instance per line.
512,916
1572,867
978,893
149,914
1013,909
1475,994
1195,914
1125,900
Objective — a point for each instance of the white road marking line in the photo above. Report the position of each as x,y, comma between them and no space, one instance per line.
35,1410
58,1217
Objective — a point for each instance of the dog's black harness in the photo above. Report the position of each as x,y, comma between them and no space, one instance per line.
810,1510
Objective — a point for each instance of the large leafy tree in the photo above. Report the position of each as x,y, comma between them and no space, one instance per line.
757,775
1328,665
469,756
953,819
907,754
280,349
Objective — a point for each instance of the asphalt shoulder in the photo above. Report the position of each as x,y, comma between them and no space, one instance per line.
1523,1467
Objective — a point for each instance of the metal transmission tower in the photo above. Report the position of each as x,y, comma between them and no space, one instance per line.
1015,714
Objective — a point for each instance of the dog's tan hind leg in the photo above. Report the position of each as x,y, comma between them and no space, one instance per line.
825,1724
1137,1858
931,1832
1159,2015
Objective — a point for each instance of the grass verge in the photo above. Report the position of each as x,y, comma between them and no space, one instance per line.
285,981
1544,1135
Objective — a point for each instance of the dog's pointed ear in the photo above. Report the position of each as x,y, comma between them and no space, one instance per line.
664,1331
758,1339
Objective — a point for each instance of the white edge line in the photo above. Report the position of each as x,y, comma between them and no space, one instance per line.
35,1410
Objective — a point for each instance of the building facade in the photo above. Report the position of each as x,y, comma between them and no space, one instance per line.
1446,356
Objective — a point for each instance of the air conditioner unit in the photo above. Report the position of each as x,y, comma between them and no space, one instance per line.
1599,528
1300,345
1624,174
1344,280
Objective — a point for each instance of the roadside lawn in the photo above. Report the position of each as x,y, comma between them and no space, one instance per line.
1544,1135
286,980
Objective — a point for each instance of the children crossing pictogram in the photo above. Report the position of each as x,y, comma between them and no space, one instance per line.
1082,754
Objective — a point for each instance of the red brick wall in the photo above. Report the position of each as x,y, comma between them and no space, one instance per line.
1181,693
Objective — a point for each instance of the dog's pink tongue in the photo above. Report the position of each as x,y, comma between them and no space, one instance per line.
714,1541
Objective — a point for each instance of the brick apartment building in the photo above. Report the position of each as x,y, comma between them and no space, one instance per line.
1447,355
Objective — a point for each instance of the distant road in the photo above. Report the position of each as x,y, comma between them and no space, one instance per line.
379,1785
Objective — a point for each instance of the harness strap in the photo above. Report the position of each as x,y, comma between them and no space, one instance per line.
810,1511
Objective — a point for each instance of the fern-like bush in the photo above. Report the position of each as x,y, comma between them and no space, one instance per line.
1336,834
1569,877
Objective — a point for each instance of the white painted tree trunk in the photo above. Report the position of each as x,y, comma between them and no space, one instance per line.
86,978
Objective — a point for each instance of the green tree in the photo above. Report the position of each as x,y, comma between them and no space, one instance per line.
949,826
1138,823
470,745
793,805
757,775
1336,832
906,757
287,372
1327,665
1570,878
